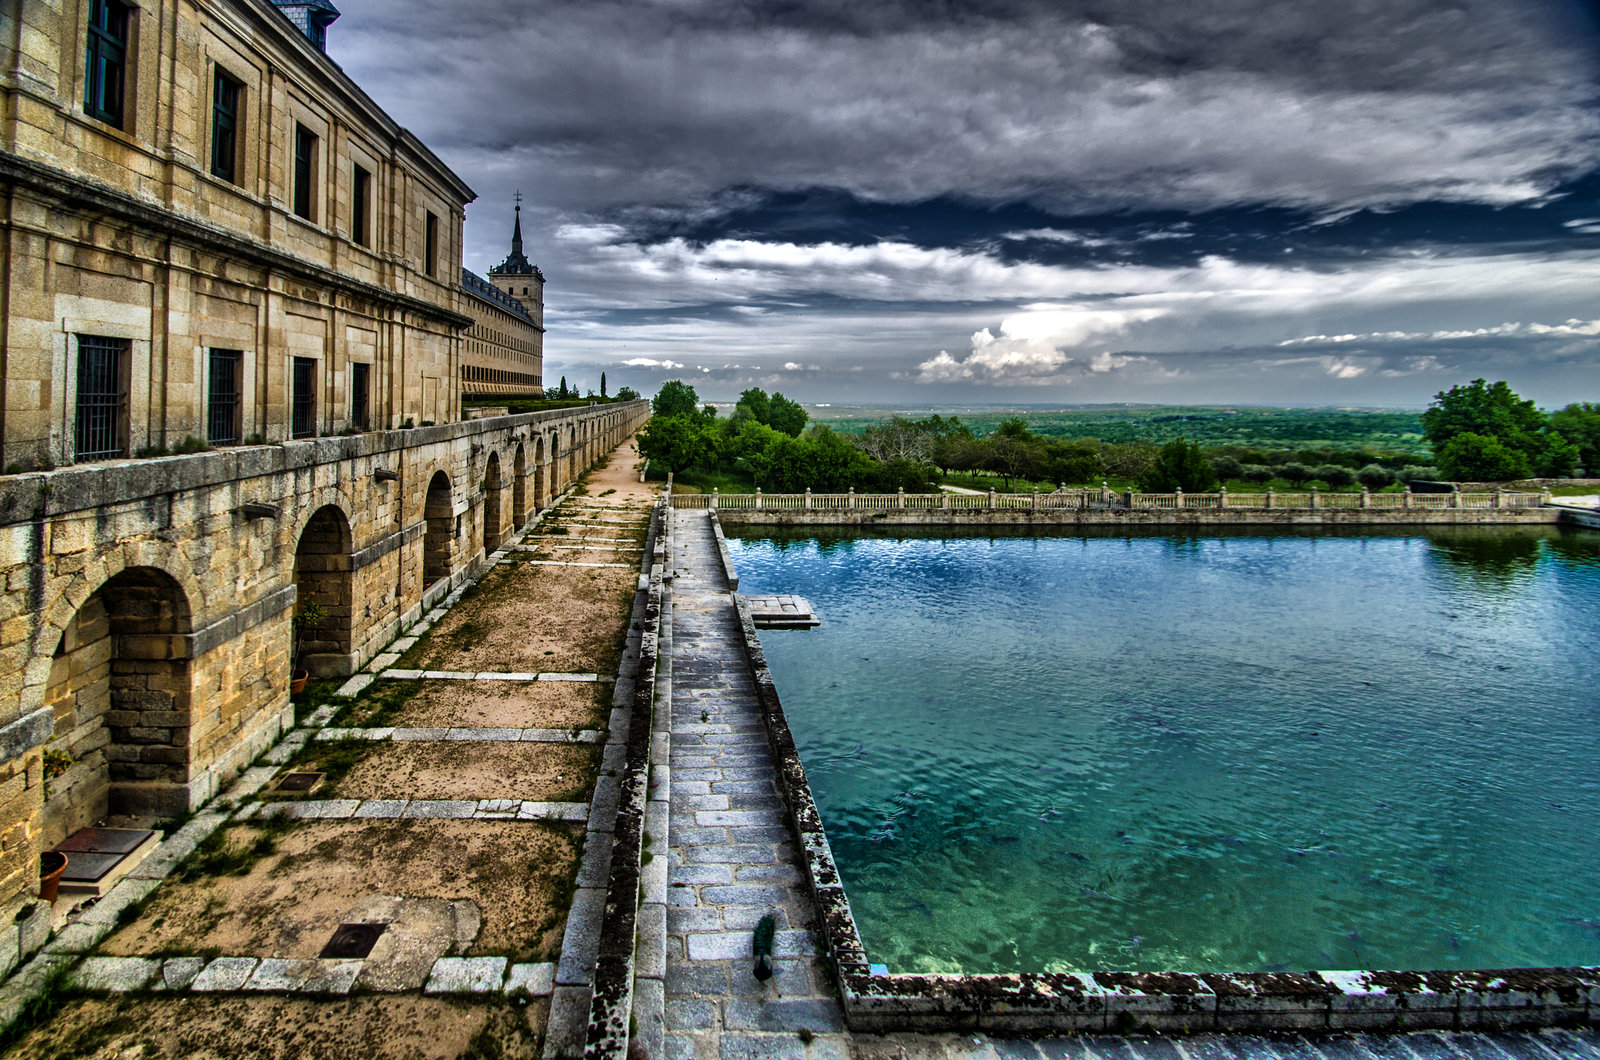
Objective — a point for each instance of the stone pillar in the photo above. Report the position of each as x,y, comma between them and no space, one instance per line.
713,497
1499,497
1405,498
1455,495
852,501
758,498
944,500
808,498
1269,497
1127,499
1036,496
991,500
1313,497
1178,498
900,497
1366,497
1222,497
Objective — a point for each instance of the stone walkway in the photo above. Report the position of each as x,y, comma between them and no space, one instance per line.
731,861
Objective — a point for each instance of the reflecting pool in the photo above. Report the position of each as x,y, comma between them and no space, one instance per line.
1238,753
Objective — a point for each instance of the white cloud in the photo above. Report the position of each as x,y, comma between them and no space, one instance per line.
1031,349
651,362
1573,327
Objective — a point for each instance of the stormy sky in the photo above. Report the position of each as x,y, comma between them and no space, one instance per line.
925,201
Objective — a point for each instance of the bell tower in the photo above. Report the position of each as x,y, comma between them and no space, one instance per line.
517,276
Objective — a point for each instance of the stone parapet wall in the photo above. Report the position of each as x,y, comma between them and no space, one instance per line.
147,632
1152,517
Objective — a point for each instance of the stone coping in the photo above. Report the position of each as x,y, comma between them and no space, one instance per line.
1137,1002
611,995
316,976
1153,517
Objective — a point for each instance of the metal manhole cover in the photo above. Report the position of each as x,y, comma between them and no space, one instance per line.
299,781
353,941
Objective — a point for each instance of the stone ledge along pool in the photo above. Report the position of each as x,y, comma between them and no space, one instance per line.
1251,752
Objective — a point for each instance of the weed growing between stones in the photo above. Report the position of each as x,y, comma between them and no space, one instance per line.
317,694
219,855
377,705
332,758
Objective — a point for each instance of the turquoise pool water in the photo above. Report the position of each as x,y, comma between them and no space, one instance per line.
1202,753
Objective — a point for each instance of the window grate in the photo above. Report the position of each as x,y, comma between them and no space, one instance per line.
359,372
97,430
360,191
106,61
303,422
222,423
224,126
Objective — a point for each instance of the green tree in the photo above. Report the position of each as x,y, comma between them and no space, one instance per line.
1227,468
680,442
1522,437
675,398
1295,473
1579,423
1479,458
602,384
759,405
561,391
1335,475
1179,466
1013,451
1073,462
786,416
627,393
1375,476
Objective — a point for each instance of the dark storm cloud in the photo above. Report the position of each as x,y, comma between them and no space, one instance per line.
1026,194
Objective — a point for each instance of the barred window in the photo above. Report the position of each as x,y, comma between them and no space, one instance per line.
224,126
360,194
106,61
430,244
224,399
102,398
303,398
359,376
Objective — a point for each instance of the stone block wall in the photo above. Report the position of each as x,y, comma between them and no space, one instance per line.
147,628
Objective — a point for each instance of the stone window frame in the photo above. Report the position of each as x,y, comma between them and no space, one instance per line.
222,77
64,399
128,67
430,244
247,385
317,403
363,421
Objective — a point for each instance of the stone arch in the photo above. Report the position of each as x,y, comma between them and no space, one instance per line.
119,693
438,537
493,497
324,604
519,486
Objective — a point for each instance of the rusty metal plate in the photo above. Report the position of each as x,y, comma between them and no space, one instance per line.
353,941
299,781
105,841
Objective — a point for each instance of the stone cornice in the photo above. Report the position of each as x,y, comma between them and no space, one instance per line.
76,191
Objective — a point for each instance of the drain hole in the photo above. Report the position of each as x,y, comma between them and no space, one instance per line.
299,781
353,940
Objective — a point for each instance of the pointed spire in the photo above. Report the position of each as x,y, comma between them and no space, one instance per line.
517,263
516,230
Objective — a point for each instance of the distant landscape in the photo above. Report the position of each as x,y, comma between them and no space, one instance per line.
1378,429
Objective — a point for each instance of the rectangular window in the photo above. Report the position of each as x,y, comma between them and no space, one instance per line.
102,397
224,126
305,171
224,397
303,398
106,61
360,195
430,246
358,394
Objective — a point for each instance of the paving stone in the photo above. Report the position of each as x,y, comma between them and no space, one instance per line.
385,808
700,874
304,976
486,735
465,975
115,974
403,645
533,980
680,921
686,1015
746,894
177,973
446,809
775,873
77,938
760,1047
497,809
224,973
729,854
553,811
581,944
412,735
746,917
324,809
697,979
403,675
783,1014
358,684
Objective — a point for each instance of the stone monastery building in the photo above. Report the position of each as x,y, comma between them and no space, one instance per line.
215,244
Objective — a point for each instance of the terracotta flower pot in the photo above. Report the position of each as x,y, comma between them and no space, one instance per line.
52,863
297,681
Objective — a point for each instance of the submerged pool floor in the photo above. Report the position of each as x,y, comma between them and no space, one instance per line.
1202,754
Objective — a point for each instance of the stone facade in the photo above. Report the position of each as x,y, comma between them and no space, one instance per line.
238,196
502,355
148,631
